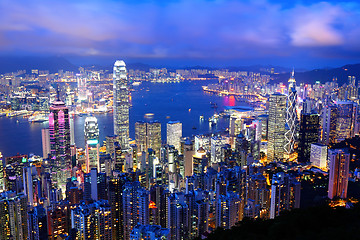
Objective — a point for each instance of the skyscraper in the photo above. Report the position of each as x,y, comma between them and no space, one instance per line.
174,134
45,142
136,207
13,216
318,156
121,104
148,135
329,119
59,130
91,131
291,117
309,133
338,172
346,116
276,126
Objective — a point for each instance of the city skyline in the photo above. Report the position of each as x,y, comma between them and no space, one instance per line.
212,33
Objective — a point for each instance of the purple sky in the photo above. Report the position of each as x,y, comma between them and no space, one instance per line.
219,32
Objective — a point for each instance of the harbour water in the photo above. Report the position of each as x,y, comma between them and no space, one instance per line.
184,101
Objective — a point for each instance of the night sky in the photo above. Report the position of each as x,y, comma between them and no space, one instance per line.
184,32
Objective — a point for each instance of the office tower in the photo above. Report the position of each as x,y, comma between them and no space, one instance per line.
82,88
72,131
31,185
91,131
228,210
45,136
346,118
318,155
93,221
202,141
149,232
110,145
291,116
309,133
141,136
121,104
199,162
338,172
154,136
174,134
188,153
59,219
136,207
37,224
59,130
148,135
276,126
264,119
329,123
13,216
217,143
285,194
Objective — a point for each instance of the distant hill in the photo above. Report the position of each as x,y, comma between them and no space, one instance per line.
134,66
323,75
53,64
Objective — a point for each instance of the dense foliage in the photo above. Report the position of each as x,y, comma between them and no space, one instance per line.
311,223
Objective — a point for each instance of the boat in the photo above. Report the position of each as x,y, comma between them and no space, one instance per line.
194,128
39,118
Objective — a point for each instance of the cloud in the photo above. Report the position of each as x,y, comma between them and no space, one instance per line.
315,25
221,29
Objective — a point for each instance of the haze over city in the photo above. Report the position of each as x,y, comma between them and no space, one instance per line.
305,34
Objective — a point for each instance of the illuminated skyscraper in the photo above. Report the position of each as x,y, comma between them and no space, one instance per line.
82,91
148,135
309,133
136,207
318,156
285,194
345,122
59,130
329,119
91,130
338,173
13,216
92,221
45,136
174,134
276,126
121,104
291,116
228,210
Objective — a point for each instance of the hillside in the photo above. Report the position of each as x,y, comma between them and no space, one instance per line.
323,75
311,223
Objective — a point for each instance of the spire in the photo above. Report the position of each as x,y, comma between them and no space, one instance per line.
291,81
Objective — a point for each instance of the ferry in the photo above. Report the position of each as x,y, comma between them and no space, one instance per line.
39,118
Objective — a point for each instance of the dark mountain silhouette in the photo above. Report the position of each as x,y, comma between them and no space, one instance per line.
53,64
323,75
